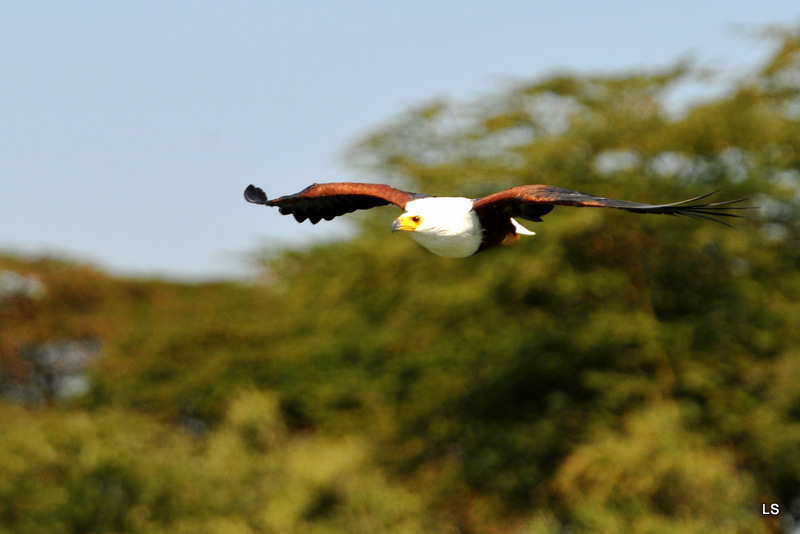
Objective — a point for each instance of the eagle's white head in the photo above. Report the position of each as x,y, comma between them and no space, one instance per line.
446,226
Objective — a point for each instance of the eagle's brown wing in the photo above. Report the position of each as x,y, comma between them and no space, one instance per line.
533,201
326,201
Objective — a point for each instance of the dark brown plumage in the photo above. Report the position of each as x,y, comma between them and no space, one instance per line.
326,201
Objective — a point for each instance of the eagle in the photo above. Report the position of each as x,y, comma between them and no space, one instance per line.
457,227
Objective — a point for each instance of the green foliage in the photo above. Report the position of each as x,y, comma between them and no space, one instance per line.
613,373
656,476
111,471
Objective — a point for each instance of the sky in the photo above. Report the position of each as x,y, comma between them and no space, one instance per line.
129,129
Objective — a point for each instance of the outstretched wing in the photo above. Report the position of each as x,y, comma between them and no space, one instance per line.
326,201
533,201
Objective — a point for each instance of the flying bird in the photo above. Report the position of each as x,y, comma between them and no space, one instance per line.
456,227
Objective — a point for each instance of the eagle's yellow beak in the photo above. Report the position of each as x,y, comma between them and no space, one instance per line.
406,223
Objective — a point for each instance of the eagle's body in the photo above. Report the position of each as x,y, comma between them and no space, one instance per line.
456,227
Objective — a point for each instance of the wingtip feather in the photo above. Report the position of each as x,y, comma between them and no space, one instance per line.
255,195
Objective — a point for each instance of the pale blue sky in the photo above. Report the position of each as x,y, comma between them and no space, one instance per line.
130,129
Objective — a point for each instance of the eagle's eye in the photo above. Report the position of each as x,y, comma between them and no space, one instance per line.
416,218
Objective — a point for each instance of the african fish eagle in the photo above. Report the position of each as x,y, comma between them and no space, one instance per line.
456,227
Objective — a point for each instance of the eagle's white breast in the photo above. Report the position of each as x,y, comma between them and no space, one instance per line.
449,227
